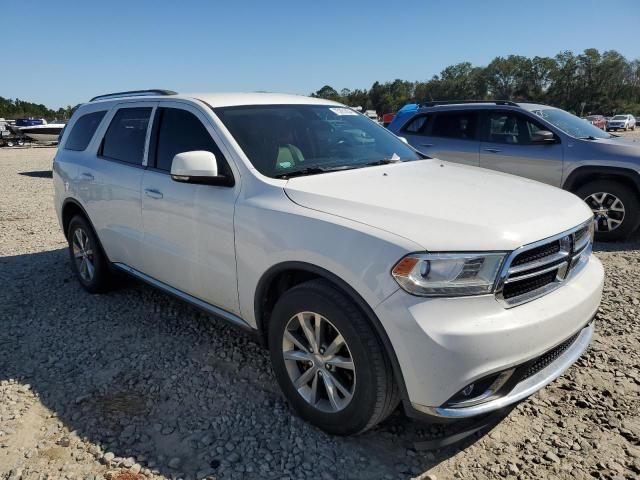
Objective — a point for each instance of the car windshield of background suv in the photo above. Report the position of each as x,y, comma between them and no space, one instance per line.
282,140
570,124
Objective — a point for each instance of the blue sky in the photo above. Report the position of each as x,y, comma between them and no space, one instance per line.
64,52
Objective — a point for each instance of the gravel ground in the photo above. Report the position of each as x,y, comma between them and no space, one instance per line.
134,383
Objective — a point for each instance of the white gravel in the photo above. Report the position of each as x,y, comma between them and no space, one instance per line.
135,383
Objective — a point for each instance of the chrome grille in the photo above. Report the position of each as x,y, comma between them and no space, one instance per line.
541,267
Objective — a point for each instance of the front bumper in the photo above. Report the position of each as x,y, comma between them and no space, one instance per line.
446,344
523,388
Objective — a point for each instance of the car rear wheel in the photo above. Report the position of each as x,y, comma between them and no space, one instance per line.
615,206
88,261
328,361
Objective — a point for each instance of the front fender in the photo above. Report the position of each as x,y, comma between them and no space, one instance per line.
271,230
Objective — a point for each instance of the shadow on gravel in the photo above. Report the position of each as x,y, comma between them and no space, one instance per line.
38,174
151,380
631,244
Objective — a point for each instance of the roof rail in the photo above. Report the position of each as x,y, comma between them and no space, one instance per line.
135,93
457,102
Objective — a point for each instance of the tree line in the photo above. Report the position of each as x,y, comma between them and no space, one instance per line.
12,109
588,83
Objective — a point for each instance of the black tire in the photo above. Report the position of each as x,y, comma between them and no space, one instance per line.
629,199
375,392
100,280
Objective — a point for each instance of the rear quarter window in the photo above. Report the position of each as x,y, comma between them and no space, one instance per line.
83,131
416,125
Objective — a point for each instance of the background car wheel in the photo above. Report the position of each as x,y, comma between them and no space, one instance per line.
87,258
328,361
615,207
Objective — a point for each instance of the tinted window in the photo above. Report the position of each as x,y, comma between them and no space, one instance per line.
126,135
417,124
83,131
511,128
177,131
460,125
282,139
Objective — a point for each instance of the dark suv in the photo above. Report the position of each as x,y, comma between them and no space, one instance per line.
538,142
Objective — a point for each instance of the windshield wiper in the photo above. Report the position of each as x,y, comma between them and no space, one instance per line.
384,161
312,171
590,137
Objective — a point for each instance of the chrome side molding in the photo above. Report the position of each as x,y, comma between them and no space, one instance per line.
196,302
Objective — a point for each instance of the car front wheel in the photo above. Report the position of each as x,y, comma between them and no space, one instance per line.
615,206
328,361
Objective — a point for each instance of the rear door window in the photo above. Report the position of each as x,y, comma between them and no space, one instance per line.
125,138
83,131
177,131
460,125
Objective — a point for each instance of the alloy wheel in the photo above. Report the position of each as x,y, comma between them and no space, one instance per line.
318,361
608,211
83,254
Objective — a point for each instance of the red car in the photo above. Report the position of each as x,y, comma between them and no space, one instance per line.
598,121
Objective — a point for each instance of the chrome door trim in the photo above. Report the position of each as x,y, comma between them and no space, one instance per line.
196,302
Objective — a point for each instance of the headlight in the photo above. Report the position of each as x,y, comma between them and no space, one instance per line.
448,274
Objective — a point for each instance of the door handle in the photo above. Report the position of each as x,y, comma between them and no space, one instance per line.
87,176
492,150
153,193
426,144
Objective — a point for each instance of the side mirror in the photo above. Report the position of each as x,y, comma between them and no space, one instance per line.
198,167
543,136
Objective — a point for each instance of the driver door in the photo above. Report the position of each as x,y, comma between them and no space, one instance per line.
507,147
188,228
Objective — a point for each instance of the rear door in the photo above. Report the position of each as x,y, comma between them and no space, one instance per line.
112,182
188,228
507,147
448,135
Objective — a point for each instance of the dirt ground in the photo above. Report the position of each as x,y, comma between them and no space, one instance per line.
133,383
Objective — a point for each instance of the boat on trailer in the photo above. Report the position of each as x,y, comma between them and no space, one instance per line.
38,130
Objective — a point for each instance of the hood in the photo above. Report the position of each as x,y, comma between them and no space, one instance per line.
443,206
615,148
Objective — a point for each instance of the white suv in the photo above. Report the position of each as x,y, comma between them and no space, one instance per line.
372,273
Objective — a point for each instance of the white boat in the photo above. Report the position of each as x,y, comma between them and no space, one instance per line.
45,132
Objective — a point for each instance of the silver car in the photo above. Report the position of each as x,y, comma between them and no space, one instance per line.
622,122
538,142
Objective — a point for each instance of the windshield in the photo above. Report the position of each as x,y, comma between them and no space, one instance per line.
282,139
570,124
620,117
